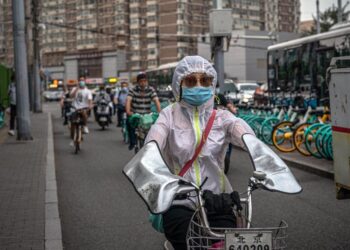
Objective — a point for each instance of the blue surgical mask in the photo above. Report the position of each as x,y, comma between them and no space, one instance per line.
196,96
82,84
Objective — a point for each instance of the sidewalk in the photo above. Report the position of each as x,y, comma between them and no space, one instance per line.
311,164
28,209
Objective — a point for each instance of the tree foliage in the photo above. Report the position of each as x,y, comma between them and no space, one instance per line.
328,18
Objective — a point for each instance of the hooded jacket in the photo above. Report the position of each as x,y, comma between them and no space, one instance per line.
179,129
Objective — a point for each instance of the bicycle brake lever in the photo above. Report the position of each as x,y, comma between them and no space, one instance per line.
205,180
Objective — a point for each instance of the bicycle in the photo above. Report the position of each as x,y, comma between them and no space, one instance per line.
158,187
76,121
142,124
124,128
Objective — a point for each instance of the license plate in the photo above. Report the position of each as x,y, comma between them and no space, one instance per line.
248,240
103,119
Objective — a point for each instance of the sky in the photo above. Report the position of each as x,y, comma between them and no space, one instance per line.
308,7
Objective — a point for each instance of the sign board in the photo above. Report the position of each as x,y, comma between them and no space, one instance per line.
220,22
94,80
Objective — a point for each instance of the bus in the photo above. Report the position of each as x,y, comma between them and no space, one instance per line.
161,77
301,64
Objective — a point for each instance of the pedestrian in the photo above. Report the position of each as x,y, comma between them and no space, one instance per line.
13,107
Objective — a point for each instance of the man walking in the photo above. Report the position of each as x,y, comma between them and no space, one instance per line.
13,111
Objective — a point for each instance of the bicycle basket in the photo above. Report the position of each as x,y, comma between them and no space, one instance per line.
146,121
198,237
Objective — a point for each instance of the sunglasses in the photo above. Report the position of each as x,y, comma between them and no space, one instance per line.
191,81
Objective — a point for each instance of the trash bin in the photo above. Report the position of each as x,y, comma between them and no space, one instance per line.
338,78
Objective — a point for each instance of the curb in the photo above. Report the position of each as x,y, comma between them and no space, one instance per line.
311,168
53,232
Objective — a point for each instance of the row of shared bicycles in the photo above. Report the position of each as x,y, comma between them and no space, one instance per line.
292,123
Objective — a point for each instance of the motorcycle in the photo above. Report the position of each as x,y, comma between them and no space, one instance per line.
103,114
158,187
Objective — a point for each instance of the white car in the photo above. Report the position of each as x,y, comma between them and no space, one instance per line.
245,92
53,94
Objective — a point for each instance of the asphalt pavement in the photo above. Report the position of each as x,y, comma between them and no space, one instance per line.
99,208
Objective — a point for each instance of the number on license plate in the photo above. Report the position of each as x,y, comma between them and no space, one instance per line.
248,240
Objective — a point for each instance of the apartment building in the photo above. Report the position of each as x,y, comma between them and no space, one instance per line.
101,38
82,38
180,23
6,35
265,15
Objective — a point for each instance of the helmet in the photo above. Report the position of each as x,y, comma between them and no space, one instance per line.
141,75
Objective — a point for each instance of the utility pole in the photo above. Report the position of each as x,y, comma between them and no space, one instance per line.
218,33
36,54
318,28
20,52
340,12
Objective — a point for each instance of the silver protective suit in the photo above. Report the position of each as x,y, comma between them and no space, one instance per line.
179,129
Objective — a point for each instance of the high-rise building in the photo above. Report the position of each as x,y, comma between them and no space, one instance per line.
265,15
180,23
6,35
100,38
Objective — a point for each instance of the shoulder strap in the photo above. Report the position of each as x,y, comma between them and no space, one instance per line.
199,147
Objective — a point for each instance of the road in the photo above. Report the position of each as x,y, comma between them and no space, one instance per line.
99,208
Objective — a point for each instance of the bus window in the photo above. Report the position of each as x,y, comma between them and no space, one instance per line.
342,46
282,71
293,68
325,53
306,64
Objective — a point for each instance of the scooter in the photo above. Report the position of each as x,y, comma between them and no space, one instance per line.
158,188
103,113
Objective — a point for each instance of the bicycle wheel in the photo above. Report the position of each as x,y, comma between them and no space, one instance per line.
325,145
282,137
299,139
77,138
255,124
266,129
319,139
310,142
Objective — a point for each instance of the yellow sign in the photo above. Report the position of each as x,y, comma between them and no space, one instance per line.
112,80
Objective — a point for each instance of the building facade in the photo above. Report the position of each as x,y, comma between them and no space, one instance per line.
265,15
246,58
104,38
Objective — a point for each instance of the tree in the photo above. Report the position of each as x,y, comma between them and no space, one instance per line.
328,18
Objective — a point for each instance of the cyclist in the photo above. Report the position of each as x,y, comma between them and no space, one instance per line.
120,101
65,103
102,95
139,101
178,132
82,100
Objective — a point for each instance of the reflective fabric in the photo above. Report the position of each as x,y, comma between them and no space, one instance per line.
152,179
278,175
180,127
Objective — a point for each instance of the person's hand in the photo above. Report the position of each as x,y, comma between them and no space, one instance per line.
130,113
